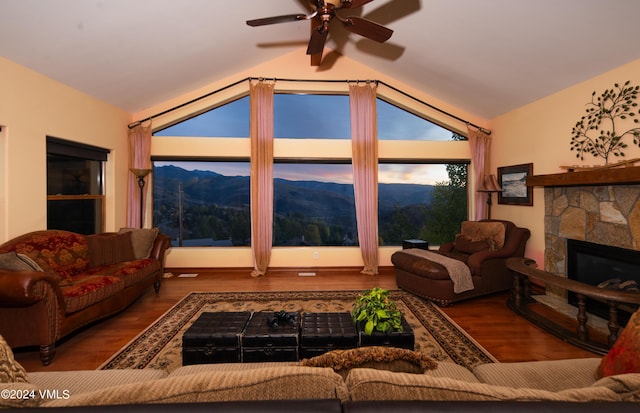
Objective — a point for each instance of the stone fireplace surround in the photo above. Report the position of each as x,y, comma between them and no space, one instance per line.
602,214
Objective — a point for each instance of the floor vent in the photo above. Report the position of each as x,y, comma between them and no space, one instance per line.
306,274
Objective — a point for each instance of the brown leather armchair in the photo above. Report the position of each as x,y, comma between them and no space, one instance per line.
487,265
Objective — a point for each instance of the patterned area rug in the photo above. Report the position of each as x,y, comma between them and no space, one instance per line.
160,345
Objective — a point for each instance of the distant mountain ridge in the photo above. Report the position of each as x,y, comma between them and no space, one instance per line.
320,199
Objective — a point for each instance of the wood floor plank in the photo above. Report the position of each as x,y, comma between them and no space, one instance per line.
487,319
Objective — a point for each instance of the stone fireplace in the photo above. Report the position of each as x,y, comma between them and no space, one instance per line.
601,214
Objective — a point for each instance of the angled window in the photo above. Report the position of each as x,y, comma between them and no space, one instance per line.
207,203
395,123
229,120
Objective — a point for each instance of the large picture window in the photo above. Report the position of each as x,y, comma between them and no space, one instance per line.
202,203
421,201
207,203
314,204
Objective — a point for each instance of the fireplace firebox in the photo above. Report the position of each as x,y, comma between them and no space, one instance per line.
595,264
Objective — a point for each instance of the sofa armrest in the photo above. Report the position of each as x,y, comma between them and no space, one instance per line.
514,246
160,246
18,288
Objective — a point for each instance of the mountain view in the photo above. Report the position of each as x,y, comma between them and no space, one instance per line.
208,208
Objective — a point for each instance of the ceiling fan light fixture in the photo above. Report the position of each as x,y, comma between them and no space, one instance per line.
324,11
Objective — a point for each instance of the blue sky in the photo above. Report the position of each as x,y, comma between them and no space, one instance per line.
315,116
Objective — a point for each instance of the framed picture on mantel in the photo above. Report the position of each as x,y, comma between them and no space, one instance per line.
512,180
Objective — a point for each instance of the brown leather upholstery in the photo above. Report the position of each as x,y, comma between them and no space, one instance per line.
488,271
32,305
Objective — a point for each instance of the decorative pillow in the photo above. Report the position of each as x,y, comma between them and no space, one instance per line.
464,244
373,357
108,249
13,261
61,252
10,370
624,356
490,232
142,240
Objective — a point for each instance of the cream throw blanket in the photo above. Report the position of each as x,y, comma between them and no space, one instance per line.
458,270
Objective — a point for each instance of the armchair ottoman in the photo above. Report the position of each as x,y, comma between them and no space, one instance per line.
483,246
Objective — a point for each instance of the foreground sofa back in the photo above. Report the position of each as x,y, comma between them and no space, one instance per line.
277,385
55,282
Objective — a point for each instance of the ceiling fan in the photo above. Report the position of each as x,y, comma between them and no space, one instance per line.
323,12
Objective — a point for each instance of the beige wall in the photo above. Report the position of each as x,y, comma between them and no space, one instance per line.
33,106
296,66
541,133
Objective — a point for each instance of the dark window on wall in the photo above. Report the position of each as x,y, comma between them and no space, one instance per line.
75,186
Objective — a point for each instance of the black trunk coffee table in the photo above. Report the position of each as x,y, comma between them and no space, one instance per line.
227,337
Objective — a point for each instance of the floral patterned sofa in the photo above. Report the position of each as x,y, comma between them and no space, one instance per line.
53,282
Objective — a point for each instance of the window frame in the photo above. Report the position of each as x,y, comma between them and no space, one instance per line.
82,152
299,150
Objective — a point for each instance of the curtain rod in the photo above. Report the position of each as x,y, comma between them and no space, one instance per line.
136,123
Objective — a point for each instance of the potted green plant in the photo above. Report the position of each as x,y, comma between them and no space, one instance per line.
375,311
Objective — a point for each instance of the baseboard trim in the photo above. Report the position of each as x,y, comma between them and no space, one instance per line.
281,271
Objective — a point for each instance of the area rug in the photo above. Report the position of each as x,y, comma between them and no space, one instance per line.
160,345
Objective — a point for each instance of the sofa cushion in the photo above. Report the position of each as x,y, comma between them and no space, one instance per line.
277,383
82,381
452,371
624,355
376,357
552,375
131,272
86,290
221,367
108,249
371,384
13,261
491,232
142,239
62,253
10,370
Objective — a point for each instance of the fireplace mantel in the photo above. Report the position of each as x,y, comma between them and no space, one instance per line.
599,176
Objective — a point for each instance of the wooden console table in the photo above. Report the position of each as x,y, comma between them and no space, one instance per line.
520,299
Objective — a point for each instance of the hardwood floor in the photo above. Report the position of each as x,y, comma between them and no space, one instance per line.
488,320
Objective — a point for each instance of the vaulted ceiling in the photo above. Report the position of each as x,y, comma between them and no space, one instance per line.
484,56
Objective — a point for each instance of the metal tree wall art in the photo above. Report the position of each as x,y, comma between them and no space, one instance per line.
596,133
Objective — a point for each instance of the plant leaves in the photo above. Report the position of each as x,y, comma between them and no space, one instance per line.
368,328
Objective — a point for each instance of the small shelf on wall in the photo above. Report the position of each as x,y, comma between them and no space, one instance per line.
596,176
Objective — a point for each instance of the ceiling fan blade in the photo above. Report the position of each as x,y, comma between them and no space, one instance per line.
317,41
277,19
367,28
357,3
